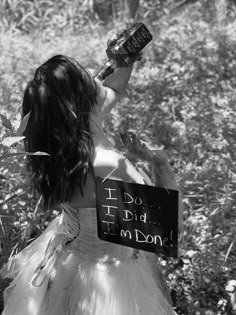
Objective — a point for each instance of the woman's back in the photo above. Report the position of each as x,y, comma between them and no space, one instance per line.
107,163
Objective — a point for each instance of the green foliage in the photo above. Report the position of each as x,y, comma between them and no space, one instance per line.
29,15
181,96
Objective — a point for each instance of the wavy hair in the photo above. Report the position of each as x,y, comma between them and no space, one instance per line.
60,99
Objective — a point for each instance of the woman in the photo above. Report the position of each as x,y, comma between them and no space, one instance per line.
67,269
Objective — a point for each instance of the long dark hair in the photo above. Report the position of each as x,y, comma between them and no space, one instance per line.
60,99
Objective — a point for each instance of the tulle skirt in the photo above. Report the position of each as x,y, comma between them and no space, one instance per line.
63,274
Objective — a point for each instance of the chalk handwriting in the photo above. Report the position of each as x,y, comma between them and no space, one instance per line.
110,197
133,216
125,233
140,237
129,199
109,227
138,216
108,210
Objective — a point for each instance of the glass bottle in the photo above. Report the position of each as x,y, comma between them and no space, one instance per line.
126,49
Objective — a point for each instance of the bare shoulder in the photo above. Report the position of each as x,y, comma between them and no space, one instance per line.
112,164
106,163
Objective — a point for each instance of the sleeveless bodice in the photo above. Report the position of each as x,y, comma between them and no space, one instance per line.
85,238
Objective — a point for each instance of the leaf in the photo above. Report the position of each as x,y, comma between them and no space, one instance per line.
6,122
22,202
228,251
9,141
2,176
2,227
23,125
39,153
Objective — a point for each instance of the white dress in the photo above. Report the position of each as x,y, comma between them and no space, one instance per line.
68,270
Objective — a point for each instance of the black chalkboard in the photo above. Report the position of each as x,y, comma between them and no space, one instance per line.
139,216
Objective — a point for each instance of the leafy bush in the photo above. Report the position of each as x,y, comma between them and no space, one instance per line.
27,16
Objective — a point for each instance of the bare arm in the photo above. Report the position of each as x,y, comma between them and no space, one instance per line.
112,88
161,169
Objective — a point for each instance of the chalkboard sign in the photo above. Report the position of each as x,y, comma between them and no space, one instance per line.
139,216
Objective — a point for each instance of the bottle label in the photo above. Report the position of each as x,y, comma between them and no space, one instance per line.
140,38
136,43
126,50
137,40
130,48
145,33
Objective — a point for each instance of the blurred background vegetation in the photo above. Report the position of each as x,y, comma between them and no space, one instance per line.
181,96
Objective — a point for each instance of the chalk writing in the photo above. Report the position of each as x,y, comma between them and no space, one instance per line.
108,209
140,237
108,225
125,234
129,199
110,197
138,216
130,216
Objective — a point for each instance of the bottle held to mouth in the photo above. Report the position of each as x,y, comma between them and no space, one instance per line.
125,50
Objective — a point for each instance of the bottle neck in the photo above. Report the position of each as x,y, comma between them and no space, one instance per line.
108,68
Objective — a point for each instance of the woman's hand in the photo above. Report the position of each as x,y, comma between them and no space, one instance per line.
161,169
142,150
116,39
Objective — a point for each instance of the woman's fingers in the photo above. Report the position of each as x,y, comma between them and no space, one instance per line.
135,146
143,150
